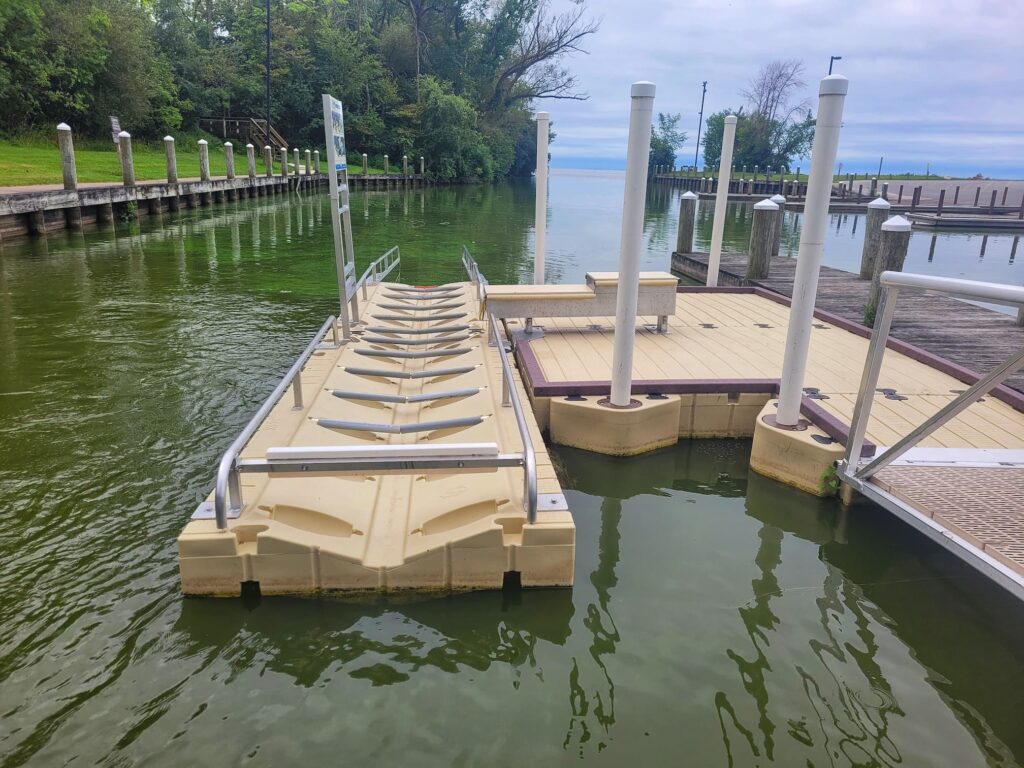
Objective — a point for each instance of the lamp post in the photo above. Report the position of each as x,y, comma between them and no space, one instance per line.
700,121
831,61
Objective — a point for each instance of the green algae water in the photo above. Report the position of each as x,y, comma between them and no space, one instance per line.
717,618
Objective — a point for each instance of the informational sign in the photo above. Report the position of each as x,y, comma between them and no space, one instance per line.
115,127
341,219
338,135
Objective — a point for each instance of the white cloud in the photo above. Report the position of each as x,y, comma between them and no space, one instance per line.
930,80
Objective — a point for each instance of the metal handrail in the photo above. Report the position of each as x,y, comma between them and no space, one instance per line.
509,394
375,272
851,468
228,489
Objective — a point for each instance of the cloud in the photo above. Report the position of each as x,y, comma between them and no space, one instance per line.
931,81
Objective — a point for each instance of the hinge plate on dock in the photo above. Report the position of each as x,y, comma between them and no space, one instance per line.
205,511
552,502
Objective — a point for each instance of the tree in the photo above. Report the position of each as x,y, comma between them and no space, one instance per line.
776,127
666,138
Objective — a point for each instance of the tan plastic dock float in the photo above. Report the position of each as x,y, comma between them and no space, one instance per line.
406,469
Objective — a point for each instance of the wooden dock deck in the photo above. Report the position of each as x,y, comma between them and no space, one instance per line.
723,358
968,336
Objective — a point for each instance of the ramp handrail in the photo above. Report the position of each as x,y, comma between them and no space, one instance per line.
850,469
228,488
380,268
509,394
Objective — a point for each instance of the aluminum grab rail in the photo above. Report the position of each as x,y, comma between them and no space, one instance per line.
228,488
509,394
375,272
850,469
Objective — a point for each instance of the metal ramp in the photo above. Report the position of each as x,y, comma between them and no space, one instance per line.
969,501
413,466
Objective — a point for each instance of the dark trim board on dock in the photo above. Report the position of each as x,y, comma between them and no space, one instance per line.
972,338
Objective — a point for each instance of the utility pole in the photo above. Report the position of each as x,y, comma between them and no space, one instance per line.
879,174
268,72
700,122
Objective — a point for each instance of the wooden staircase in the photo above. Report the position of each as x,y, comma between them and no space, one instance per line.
245,129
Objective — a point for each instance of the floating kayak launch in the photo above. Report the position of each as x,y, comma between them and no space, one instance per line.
412,466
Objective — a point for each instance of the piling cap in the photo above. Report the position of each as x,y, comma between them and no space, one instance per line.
833,85
63,127
249,146
879,202
541,116
689,196
730,119
203,141
777,199
124,135
766,205
169,138
227,144
896,224
642,90
267,146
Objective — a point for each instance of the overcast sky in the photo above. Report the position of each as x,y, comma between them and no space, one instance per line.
931,81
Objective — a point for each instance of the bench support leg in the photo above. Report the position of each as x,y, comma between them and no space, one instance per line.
662,324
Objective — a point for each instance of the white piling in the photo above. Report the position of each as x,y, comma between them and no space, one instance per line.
831,96
124,146
631,242
721,199
540,211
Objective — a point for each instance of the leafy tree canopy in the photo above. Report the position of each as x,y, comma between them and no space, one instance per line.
774,128
666,139
453,80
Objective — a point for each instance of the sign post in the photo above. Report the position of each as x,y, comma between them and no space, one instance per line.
341,220
115,130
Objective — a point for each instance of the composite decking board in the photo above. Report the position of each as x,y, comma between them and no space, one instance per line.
738,349
976,338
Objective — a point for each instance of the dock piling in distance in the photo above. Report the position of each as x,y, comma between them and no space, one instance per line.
309,162
405,166
366,165
229,159
316,160
892,252
421,167
687,220
284,163
942,202
172,160
67,157
631,241
387,167
780,219
540,207
204,160
721,200
124,148
992,204
877,214
762,238
268,160
298,163
977,196
250,161
831,98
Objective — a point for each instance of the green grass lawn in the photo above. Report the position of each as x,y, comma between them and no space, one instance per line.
33,162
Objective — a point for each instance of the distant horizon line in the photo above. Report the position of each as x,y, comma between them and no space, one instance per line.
1007,172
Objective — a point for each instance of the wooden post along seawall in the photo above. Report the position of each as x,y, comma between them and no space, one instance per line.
71,204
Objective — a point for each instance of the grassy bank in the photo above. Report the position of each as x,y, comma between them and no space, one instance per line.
31,161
